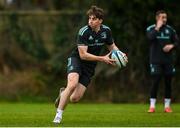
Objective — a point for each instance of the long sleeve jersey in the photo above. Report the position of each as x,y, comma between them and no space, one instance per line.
158,39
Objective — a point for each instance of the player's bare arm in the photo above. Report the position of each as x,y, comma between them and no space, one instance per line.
112,47
84,55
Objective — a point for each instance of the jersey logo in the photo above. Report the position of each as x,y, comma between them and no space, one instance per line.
90,38
167,31
162,36
103,35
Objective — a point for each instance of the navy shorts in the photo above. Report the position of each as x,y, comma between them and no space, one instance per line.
165,69
85,71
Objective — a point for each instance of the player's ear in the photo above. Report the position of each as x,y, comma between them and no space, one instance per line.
101,21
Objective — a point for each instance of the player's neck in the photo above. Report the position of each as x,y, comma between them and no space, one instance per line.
97,29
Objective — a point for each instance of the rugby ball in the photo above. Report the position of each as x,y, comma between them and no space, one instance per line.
119,57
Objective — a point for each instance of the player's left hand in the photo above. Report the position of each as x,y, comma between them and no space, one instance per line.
108,60
168,47
125,57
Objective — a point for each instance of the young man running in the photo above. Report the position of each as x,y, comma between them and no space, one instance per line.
83,59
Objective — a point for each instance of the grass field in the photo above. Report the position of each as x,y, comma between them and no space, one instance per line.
76,115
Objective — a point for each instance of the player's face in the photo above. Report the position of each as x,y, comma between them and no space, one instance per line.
163,17
94,22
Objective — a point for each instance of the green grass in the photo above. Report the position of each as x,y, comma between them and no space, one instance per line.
107,115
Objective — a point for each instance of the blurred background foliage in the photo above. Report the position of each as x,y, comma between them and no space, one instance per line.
36,37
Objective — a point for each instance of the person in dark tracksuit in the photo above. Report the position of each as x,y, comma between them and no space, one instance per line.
83,59
163,40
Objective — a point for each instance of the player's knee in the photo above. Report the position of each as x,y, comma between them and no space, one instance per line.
71,86
75,99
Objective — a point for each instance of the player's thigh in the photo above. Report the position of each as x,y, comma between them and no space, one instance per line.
73,71
72,80
78,92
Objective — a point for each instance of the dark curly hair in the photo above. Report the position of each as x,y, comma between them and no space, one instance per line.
96,11
160,12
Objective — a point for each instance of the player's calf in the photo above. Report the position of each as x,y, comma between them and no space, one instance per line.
74,99
56,103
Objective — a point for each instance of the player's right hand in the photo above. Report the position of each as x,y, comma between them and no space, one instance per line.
159,24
